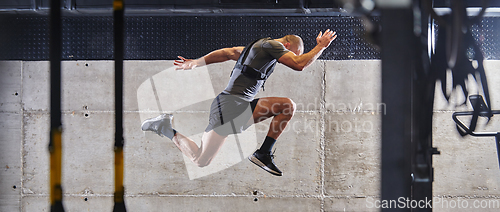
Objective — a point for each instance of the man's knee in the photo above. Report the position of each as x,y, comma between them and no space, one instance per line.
289,107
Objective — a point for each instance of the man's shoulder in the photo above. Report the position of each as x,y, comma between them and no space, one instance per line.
268,40
270,43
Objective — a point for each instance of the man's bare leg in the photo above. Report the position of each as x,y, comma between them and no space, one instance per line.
201,156
282,110
211,143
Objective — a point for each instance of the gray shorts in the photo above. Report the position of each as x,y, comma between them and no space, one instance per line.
230,114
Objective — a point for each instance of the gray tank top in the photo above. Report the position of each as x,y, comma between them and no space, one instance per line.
262,57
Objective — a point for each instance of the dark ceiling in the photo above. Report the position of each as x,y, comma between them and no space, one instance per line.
7,5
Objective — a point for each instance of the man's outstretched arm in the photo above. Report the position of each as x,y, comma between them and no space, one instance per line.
217,56
300,62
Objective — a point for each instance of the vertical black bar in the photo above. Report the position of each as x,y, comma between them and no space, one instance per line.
497,140
396,55
421,148
55,63
118,32
55,145
118,18
423,89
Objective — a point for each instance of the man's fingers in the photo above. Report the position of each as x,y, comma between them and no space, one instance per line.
333,38
334,35
181,68
328,33
181,62
185,68
184,65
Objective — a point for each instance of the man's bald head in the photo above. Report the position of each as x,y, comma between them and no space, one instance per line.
296,44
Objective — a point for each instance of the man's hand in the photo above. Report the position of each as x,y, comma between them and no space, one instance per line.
186,64
326,38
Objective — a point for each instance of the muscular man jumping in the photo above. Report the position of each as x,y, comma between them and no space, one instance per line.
235,108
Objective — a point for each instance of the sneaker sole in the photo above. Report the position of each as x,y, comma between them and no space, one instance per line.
142,126
145,129
257,162
147,122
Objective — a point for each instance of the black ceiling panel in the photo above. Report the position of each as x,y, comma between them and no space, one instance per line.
26,37
165,37
15,4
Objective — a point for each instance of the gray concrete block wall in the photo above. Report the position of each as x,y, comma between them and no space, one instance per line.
11,136
330,152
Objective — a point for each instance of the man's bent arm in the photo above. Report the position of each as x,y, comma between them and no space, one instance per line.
301,62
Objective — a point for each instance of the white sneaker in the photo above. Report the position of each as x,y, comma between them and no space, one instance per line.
158,123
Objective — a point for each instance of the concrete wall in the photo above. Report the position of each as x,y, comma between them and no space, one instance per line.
330,153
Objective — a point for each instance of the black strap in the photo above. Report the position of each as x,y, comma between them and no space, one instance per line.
241,60
249,71
252,73
245,52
